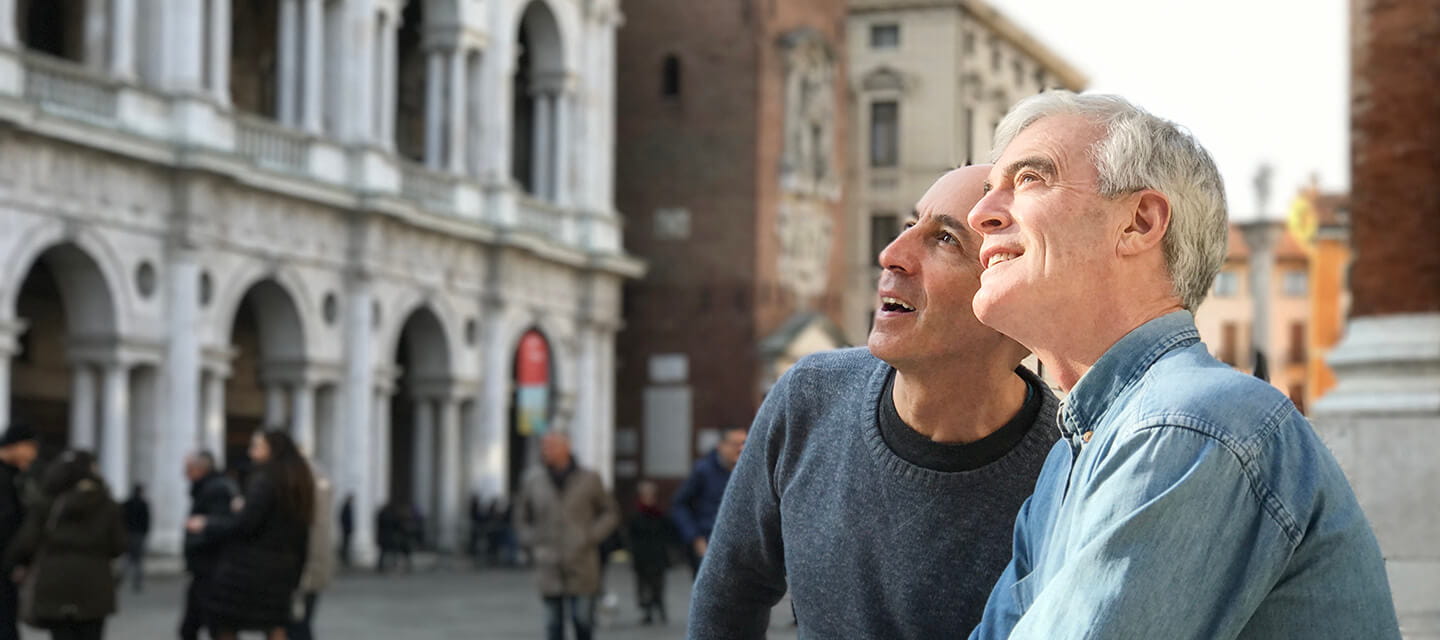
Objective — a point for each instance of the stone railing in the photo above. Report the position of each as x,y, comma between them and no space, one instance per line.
69,89
270,145
539,217
426,187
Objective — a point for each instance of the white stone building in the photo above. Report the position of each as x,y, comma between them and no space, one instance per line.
339,216
930,79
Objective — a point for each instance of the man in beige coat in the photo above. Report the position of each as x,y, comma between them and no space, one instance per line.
319,561
561,516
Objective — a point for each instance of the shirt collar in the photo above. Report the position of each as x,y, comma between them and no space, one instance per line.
1121,365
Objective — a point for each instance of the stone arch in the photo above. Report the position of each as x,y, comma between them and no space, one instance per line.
108,272
538,86
423,393
70,309
268,384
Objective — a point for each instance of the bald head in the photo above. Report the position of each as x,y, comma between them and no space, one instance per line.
954,194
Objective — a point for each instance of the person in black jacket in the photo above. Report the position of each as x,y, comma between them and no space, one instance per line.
137,528
18,448
63,551
211,494
650,535
265,542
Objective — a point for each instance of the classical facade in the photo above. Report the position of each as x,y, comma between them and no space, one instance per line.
338,217
732,167
929,81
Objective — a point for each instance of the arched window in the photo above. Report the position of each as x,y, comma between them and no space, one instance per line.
670,77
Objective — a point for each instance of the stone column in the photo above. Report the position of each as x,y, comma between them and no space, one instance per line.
541,163
455,138
560,149
96,34
302,423
497,88
422,468
434,109
448,495
475,117
1261,236
287,81
122,39
386,91
1382,419
495,405
179,397
8,332
355,437
115,432
380,468
9,38
275,398
605,402
219,50
82,405
314,79
213,436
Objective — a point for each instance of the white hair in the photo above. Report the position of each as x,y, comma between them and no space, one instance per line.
1142,151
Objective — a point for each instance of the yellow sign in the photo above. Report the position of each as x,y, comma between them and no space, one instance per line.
1302,222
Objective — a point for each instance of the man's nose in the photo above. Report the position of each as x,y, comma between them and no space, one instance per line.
896,255
991,213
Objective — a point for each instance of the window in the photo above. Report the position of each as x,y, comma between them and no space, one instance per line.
670,77
884,227
1296,283
1227,284
994,54
1297,396
1229,340
884,134
884,36
1039,79
1298,353
969,135
968,42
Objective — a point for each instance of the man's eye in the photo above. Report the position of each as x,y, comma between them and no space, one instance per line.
945,237
1026,177
907,224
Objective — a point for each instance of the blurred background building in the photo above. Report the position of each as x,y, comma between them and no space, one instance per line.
731,167
929,81
1305,293
343,218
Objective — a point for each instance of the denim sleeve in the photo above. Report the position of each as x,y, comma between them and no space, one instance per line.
1167,537
743,574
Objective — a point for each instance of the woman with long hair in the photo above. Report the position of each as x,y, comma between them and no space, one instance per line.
264,542
63,552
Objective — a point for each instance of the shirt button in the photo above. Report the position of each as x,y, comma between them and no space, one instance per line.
1086,436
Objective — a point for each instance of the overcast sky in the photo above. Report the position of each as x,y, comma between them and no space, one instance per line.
1255,80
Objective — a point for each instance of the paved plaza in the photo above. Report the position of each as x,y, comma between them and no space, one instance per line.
429,604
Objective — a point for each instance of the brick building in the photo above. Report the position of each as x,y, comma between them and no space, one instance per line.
731,164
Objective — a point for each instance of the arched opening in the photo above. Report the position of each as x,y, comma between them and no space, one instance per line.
539,68
255,57
266,385
410,82
670,77
532,406
54,27
422,357
56,384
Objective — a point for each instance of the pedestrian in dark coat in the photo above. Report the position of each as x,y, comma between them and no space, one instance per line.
137,529
698,501
18,448
651,535
64,550
265,542
347,527
211,494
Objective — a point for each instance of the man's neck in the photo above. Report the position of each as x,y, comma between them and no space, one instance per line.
1079,344
960,404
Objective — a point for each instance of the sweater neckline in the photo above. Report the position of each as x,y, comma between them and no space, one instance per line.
1036,443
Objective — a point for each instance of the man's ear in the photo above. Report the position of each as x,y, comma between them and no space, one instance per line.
1149,220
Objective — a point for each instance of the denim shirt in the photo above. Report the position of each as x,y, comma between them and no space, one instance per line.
1188,500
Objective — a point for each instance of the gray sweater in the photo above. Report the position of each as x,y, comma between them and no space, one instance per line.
871,546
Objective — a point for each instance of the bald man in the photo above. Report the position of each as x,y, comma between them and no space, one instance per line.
880,485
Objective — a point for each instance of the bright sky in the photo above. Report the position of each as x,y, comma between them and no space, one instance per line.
1255,80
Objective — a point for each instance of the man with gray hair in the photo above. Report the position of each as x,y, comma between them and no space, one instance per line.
1185,499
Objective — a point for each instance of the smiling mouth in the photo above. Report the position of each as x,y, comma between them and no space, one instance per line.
999,257
895,305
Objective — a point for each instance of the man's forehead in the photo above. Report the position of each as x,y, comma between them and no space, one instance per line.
1056,138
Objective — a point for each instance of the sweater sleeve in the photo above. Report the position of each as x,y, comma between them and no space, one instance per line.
743,573
259,501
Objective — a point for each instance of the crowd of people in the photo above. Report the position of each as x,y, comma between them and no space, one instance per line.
256,559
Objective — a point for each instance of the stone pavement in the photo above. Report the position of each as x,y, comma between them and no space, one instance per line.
430,604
